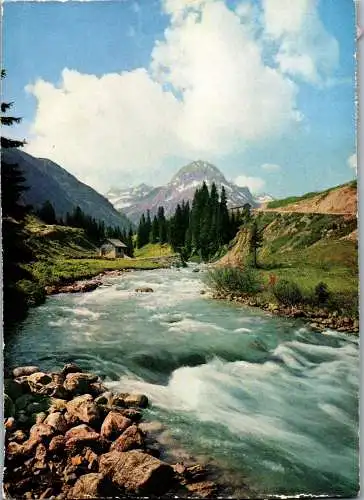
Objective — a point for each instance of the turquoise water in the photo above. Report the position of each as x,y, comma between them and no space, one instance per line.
272,403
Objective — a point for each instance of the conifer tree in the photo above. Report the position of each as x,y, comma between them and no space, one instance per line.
130,243
15,249
256,242
47,214
148,226
162,225
141,236
155,230
224,221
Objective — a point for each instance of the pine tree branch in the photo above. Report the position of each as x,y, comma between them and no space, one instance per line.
9,120
5,106
11,143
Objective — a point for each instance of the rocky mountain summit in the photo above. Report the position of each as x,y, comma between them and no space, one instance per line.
67,436
133,202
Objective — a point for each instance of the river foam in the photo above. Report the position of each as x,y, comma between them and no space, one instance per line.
265,397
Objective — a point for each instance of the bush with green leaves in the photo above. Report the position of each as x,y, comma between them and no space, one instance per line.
234,280
288,292
322,293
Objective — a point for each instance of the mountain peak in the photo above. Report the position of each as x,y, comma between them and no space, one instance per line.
182,187
197,170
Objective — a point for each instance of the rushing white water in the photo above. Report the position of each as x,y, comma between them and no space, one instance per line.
272,403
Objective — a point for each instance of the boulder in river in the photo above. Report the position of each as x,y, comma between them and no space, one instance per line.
84,409
25,371
91,485
114,424
57,444
132,438
137,472
70,368
80,383
144,289
41,432
136,400
57,421
80,436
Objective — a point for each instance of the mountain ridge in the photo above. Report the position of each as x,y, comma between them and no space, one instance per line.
46,180
181,187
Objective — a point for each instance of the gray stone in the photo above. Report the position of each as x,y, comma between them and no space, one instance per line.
22,371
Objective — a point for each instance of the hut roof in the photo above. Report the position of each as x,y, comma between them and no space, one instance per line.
115,242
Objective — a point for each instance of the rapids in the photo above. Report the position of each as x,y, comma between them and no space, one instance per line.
272,404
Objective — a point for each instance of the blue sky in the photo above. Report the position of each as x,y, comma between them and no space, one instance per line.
129,91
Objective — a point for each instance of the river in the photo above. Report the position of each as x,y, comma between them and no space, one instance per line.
271,403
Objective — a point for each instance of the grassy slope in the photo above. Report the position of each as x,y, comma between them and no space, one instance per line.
64,254
308,249
154,250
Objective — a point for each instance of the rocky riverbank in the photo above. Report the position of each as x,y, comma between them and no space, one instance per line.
67,436
318,318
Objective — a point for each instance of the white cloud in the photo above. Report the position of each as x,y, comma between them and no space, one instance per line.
306,49
207,93
101,128
255,184
353,162
271,167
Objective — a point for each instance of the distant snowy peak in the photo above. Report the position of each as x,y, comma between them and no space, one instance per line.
182,187
123,198
197,171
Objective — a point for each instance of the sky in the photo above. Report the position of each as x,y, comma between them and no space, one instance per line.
129,91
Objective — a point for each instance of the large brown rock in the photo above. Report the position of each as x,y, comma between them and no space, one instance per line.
91,485
137,472
114,424
80,436
16,450
57,421
37,382
57,444
57,405
41,432
78,431
25,371
85,409
136,400
80,383
131,439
